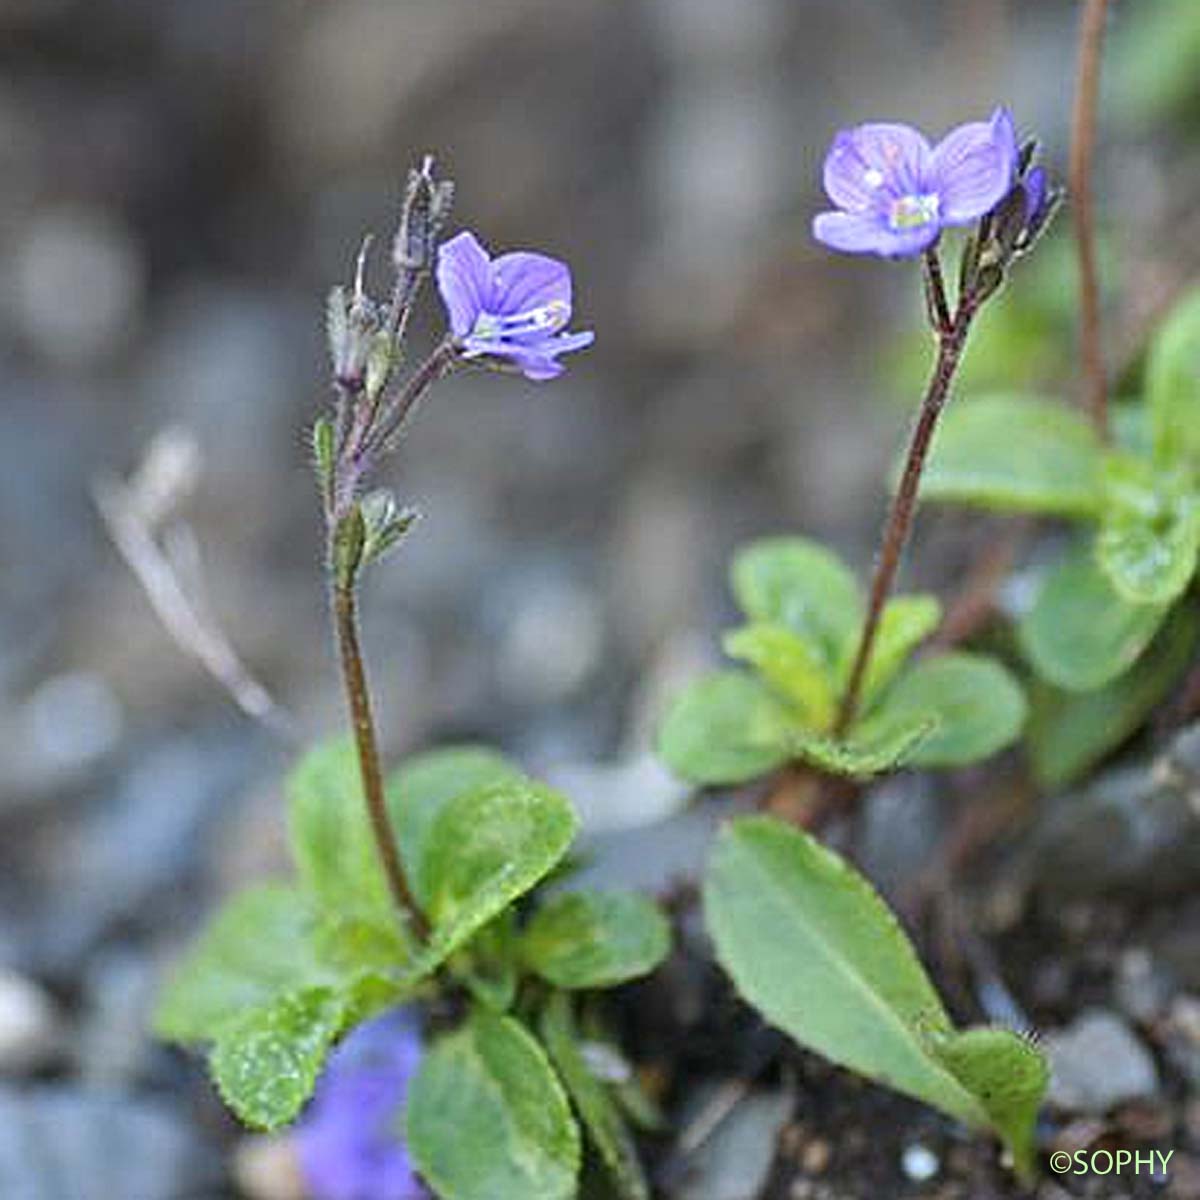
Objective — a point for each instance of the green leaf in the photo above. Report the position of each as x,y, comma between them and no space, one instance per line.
726,728
424,784
331,837
1150,560
1069,732
266,1063
590,939
488,1120
978,706
1015,454
484,849
1173,386
489,964
1080,634
871,748
258,949
791,665
798,583
906,622
596,1108
1009,1076
810,944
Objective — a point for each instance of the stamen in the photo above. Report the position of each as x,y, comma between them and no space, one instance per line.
913,212
547,318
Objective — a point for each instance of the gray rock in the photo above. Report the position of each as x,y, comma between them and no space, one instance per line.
734,1162
64,1143
1142,988
31,1032
1098,1063
901,828
113,1047
1136,830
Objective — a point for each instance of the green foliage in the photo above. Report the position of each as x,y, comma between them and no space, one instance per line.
806,619
1016,454
487,847
488,1119
590,939
1173,387
1156,61
976,703
1070,732
597,1109
810,944
797,583
265,1064
1080,634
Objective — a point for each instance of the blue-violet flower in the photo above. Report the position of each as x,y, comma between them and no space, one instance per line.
514,307
895,193
350,1142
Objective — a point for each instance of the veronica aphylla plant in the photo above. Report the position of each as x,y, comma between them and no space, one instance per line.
804,937
414,884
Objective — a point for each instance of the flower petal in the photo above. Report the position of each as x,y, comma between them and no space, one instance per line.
973,167
464,276
866,233
869,165
522,281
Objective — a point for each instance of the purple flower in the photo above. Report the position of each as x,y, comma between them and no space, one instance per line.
515,306
895,193
351,1139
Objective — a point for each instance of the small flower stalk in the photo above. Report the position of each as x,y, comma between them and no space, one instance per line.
509,312
895,196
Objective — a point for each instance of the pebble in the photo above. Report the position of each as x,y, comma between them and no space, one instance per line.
268,1168
67,1143
919,1163
31,1032
1097,1063
733,1164
1142,989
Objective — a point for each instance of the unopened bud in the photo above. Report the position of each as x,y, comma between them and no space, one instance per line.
427,205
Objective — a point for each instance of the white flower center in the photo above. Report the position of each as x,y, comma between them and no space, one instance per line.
914,212
547,318
873,177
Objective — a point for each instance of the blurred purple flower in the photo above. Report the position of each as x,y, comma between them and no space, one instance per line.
351,1139
895,193
516,306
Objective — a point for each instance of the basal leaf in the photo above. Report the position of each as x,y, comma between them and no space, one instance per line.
1173,386
798,583
1016,454
331,837
484,849
726,728
978,707
596,1107
811,945
592,939
792,666
258,949
1080,633
1070,732
265,1064
906,622
487,1117
421,787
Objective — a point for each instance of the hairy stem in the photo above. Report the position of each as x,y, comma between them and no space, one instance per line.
358,699
1083,144
898,526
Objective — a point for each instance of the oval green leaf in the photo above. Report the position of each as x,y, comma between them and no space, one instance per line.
1080,634
488,1119
977,705
796,582
590,939
790,665
810,944
1173,386
1016,454
726,728
906,622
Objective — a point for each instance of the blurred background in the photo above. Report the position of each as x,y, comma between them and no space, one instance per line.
180,182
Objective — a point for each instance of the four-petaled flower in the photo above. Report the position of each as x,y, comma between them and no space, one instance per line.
514,307
895,193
